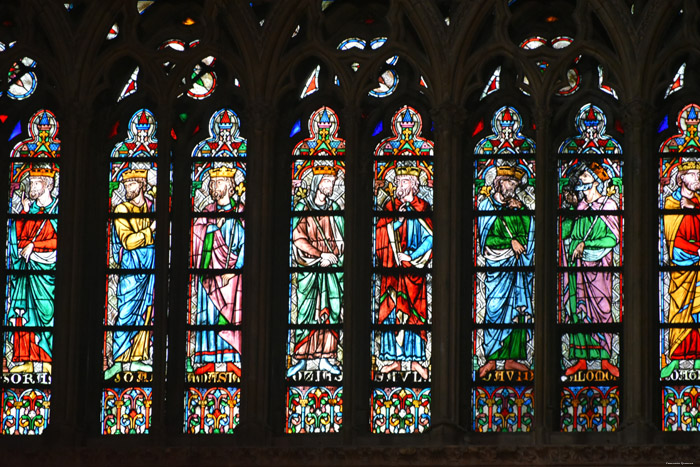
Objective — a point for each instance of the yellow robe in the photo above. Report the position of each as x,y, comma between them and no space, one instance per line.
683,286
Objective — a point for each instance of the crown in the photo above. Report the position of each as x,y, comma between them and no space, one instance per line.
591,119
134,173
689,165
143,123
507,119
599,171
407,121
408,170
225,122
325,170
42,172
325,120
509,171
222,172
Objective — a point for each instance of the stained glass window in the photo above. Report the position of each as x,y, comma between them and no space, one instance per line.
402,291
590,203
131,256
679,333
215,307
502,360
32,237
314,369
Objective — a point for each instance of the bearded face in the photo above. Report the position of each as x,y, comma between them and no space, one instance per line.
325,186
219,188
406,186
133,189
691,180
36,189
506,186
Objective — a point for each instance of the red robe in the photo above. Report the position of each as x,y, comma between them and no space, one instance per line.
405,292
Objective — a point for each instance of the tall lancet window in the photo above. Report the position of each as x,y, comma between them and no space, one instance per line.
32,238
215,308
129,304
679,276
503,293
589,274
402,292
316,279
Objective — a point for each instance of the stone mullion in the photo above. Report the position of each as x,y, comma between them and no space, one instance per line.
356,295
547,340
640,167
162,402
263,165
450,274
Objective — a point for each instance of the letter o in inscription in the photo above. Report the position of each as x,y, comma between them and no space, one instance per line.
675,376
16,378
590,376
128,377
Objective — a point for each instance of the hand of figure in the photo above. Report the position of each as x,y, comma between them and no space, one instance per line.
328,258
220,222
153,226
686,203
26,202
227,278
27,252
518,248
578,251
515,203
403,257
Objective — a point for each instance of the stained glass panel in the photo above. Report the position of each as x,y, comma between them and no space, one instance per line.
590,408
401,338
503,286
129,301
126,411
24,411
681,410
590,296
400,410
215,308
212,410
314,409
679,183
316,280
503,408
31,254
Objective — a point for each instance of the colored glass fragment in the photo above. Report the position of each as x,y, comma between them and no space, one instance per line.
604,87
311,85
15,132
131,85
113,32
142,5
493,85
677,83
22,81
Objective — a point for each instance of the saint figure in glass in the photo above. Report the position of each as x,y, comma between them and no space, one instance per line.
217,243
133,248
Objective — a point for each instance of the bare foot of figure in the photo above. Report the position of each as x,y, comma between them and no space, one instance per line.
513,365
420,369
489,366
396,366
